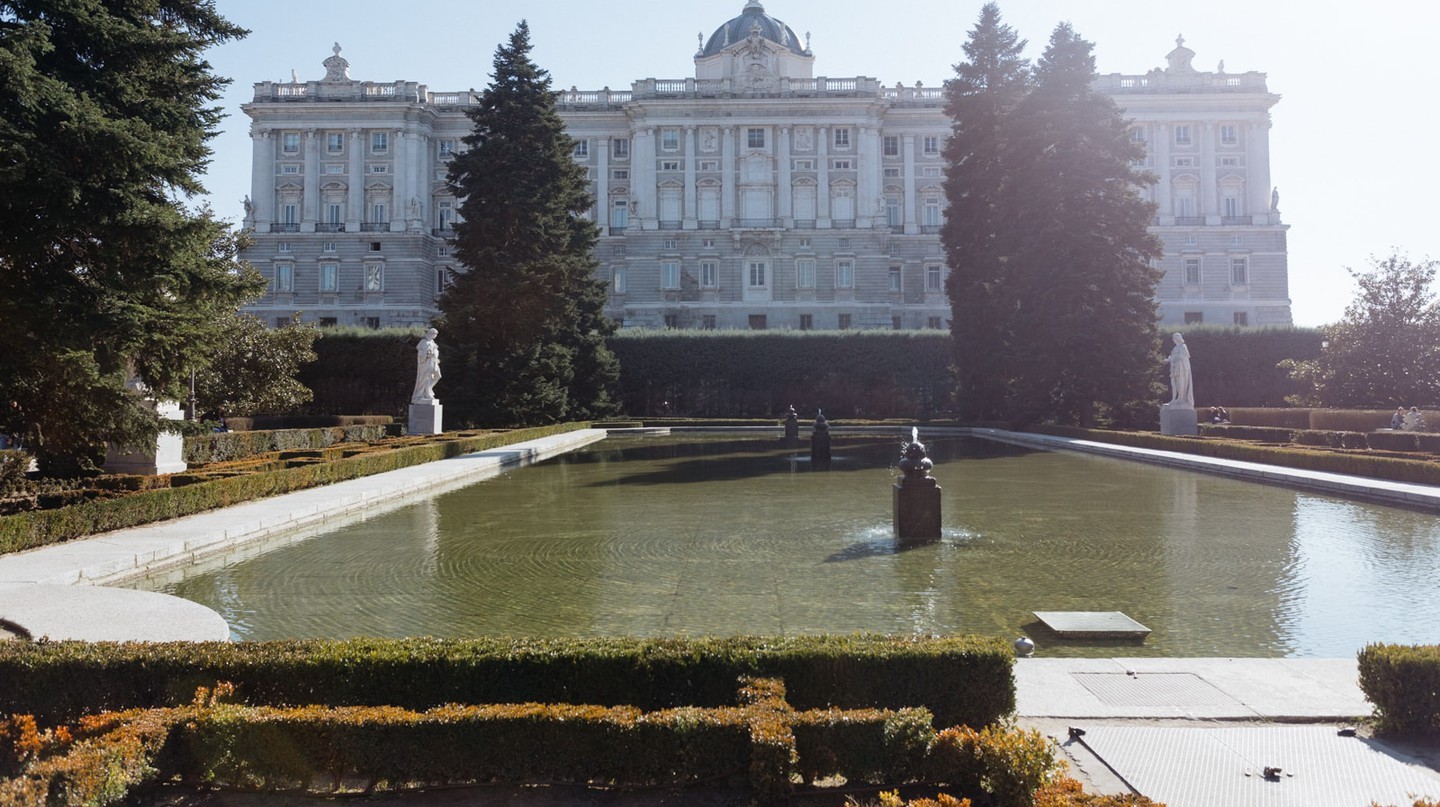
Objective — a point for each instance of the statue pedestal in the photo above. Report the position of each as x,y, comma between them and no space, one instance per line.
1178,420
917,510
165,456
424,418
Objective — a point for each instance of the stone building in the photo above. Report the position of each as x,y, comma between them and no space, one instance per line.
754,194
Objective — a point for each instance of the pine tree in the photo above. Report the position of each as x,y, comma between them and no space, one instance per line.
105,112
986,88
1082,329
523,328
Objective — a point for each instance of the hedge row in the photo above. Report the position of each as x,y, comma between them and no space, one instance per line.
960,679
271,422
764,742
43,527
1392,468
1403,682
236,445
1397,441
1299,418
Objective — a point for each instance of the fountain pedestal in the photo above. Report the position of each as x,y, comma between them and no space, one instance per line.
820,444
792,427
916,497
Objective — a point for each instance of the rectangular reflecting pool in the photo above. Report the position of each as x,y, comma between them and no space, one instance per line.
701,535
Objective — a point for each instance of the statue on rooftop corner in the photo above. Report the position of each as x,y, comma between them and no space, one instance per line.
427,368
1182,392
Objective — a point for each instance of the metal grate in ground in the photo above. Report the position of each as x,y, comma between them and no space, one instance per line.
1153,689
1204,767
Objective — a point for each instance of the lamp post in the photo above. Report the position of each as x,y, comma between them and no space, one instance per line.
192,393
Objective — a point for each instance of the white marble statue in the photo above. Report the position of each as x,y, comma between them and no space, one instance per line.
1182,392
427,368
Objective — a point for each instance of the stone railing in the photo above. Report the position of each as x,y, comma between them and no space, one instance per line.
340,91
1159,81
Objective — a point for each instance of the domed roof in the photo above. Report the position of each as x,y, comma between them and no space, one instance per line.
738,29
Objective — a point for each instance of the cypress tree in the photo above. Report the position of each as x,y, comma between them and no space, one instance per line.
105,113
523,327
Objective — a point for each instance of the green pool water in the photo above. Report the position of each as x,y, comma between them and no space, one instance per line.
701,535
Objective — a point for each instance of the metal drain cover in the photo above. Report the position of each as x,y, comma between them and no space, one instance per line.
1200,767
1153,689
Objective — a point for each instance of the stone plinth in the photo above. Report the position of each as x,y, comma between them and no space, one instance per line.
424,418
917,510
1178,420
165,456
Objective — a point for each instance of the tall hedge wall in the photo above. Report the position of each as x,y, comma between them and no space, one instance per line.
871,374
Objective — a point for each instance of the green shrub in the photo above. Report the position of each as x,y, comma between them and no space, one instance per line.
1264,434
863,745
1350,420
1403,683
13,465
1008,762
235,445
959,679
1285,418
1239,366
75,514
110,755
1394,441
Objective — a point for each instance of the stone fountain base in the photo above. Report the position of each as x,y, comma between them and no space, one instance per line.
917,510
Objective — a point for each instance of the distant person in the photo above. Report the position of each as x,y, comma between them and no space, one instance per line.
1414,421
1397,420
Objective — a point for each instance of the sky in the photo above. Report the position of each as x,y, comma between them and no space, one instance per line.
1357,82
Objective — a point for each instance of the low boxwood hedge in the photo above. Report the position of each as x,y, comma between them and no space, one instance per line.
42,527
961,679
1403,682
237,445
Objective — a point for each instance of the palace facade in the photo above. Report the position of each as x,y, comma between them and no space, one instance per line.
754,194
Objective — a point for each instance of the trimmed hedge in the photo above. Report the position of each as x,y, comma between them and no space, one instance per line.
235,445
959,679
1291,418
1238,367
1403,682
1264,434
43,527
273,422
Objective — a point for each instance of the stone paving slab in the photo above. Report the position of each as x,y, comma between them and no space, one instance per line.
97,614
1092,624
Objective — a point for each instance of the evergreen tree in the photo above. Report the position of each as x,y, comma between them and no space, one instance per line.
523,328
105,112
1082,330
986,88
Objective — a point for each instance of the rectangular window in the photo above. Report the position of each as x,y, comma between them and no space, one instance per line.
447,148
803,165
621,174
379,168
807,322
756,274
335,142
670,274
334,168
890,146
1229,162
894,278
895,323
289,214
620,148
283,247
328,247
934,323
290,168
845,274
379,142
1182,135
377,213
1239,271
373,323
329,322
442,280
1228,135
1137,135
618,279
934,279
708,243
1242,318
707,321
290,142
930,171
670,139
329,277
669,165
757,322
1194,317
755,138
709,274
892,173
1192,271
931,145
709,165
843,322
581,150
374,277
672,321
842,137
840,165
332,214
284,277
805,273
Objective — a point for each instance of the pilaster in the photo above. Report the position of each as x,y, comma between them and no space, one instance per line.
822,174
310,207
262,178
783,192
907,152
729,175
688,215
355,187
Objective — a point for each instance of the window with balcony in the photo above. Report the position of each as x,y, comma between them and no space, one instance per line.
377,213
290,142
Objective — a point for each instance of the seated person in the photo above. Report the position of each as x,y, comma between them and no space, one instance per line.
1397,420
1414,421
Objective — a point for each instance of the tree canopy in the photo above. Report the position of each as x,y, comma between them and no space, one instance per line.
523,328
105,272
1385,350
1047,236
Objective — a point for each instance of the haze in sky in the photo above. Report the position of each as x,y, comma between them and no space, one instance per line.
1356,82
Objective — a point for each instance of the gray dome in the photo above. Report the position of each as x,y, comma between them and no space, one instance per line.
739,28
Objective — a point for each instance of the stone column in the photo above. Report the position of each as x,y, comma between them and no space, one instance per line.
867,165
1165,195
1257,171
1209,190
262,178
689,214
642,180
728,175
355,189
907,152
310,209
783,192
822,175
399,181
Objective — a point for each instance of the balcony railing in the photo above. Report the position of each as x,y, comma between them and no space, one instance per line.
1189,221
442,231
285,228
669,225
1233,220
374,226
842,224
755,223
929,229
331,227
617,230
708,224
804,224
898,229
